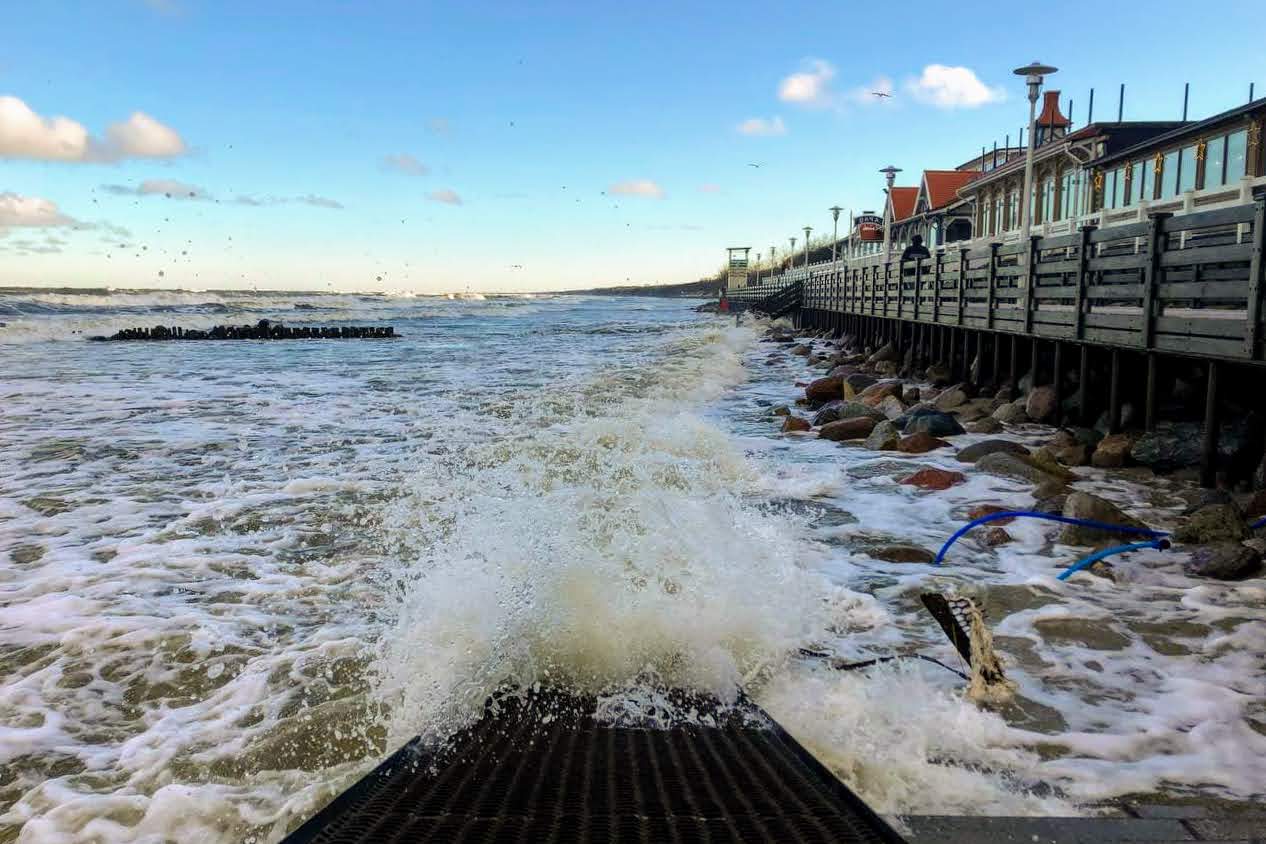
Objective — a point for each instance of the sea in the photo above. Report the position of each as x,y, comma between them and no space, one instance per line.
236,575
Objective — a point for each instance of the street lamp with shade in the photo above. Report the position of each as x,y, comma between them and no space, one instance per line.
807,229
835,231
890,175
1033,75
791,262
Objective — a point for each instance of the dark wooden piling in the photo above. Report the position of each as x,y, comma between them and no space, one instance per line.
1149,397
1209,445
1114,393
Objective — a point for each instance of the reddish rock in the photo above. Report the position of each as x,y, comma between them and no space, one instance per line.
1112,451
857,428
1040,404
795,423
936,479
882,390
982,510
920,443
825,389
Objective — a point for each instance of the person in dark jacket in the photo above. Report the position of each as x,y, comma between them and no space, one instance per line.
916,249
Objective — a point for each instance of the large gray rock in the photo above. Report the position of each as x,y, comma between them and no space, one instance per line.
857,428
886,352
1224,561
891,407
950,398
902,554
988,425
1172,446
1010,465
859,381
1083,505
1040,404
1012,413
938,375
930,421
846,409
1213,523
975,451
884,437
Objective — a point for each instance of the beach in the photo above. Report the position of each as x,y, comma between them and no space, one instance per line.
237,575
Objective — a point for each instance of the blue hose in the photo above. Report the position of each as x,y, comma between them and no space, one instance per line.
1259,523
1160,544
1050,517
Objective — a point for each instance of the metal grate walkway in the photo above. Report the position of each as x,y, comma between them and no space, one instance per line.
543,770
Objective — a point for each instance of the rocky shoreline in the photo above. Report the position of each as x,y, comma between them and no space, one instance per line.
866,398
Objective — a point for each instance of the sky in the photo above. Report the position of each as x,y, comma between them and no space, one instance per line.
511,146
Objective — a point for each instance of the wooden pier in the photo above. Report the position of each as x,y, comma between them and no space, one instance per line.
1186,286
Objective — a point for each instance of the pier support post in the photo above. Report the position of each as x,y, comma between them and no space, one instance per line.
1083,386
1209,446
1114,394
1149,401
1057,381
996,370
1013,376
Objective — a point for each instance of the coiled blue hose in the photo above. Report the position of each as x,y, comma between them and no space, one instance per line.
1159,544
1050,517
1259,523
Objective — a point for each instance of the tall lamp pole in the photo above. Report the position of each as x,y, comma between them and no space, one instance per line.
835,231
890,176
791,260
807,229
1032,74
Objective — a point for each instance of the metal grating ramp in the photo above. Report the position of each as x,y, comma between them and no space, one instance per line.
541,769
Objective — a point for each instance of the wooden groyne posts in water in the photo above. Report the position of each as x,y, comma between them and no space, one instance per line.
263,330
1146,310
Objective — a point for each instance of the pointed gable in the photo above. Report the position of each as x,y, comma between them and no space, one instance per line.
901,203
940,187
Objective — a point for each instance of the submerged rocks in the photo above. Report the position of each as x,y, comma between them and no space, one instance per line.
930,421
902,554
842,409
920,442
801,350
1224,561
781,410
996,536
975,451
848,429
793,424
1083,505
934,479
1010,465
883,437
1213,523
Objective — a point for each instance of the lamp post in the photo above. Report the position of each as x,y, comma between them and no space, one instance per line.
758,268
835,231
1032,74
890,176
791,261
807,229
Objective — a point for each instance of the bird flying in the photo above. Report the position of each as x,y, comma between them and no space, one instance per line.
880,94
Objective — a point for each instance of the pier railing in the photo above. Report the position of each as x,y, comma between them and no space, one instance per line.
1186,285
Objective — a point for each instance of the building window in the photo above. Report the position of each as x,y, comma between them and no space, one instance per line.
1048,199
1187,169
1114,188
1168,177
1215,163
995,221
1236,155
1127,185
1013,209
1142,186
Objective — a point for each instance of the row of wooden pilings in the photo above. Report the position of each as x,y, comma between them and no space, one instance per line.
998,359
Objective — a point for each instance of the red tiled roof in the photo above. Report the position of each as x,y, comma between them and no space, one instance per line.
942,185
902,202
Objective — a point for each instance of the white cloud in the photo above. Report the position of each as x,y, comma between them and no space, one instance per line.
405,163
175,189
312,199
637,187
761,126
709,188
445,195
26,134
952,87
811,86
31,212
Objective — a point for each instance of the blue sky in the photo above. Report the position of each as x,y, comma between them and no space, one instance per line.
524,146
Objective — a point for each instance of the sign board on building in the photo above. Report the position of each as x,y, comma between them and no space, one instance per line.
868,226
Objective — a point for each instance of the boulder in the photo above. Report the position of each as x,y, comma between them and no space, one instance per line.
844,409
883,437
801,350
1223,561
1040,404
996,536
1256,507
920,443
1213,523
934,479
781,410
1012,413
1044,459
975,451
879,390
825,389
912,395
1112,451
1050,503
842,371
1062,438
859,381
848,429
1072,455
1083,505
981,510
902,554
795,423
950,398
1172,446
929,421
988,425
887,367
891,407
886,353
1013,466
972,411
939,375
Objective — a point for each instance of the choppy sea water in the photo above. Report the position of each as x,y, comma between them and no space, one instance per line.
235,575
